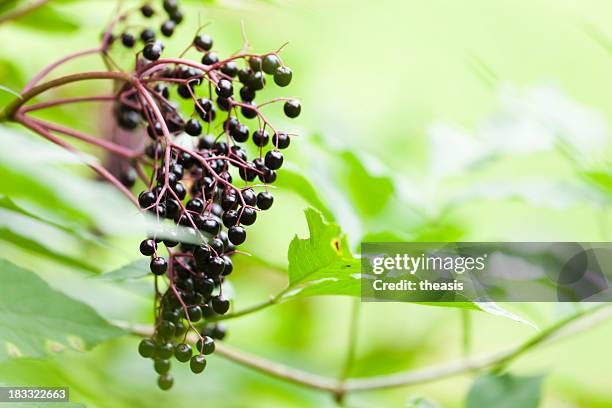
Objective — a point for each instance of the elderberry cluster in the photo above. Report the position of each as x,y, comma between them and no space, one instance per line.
212,155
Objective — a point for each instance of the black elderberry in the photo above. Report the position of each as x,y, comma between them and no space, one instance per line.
154,131
230,218
220,304
146,348
249,197
261,137
172,208
146,199
165,381
224,88
170,5
274,159
128,40
148,247
259,164
256,81
152,51
264,200
193,127
243,75
248,172
268,176
216,245
183,352
164,350
229,265
228,200
184,91
128,119
282,76
206,142
281,140
292,108
270,63
236,235
147,35
206,345
211,227
178,170
224,104
248,216
162,90
203,42
171,315
176,16
161,365
159,266
180,190
197,364
166,329
195,204
210,58
247,94
186,285
240,133
194,313
248,110
255,63
167,28
180,330
204,286
207,311
230,69
215,266
147,10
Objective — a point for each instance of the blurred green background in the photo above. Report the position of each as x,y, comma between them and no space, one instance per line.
421,120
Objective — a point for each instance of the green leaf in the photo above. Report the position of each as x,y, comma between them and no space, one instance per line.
505,391
47,18
420,402
133,270
37,320
322,263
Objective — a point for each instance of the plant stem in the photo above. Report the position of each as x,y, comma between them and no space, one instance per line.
23,11
351,348
559,330
251,309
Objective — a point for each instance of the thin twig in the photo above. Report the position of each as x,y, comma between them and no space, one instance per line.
22,11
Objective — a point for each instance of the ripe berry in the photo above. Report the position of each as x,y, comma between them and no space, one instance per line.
146,199
236,235
206,345
193,127
165,381
164,350
183,352
268,176
228,200
220,304
230,69
176,16
161,365
170,5
224,88
197,364
210,58
240,133
147,35
148,247
194,313
158,266
147,10
215,266
229,266
211,227
128,40
195,204
247,94
166,329
180,330
216,245
162,90
249,197
230,218
184,91
261,137
203,42
274,159
270,63
128,119
152,51
282,76
243,75
218,332
248,216
204,286
281,140
146,348
256,81
223,103
264,200
248,172
171,315
167,28
249,111
255,63
292,108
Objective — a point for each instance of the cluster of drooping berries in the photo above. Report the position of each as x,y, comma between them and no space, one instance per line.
212,157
